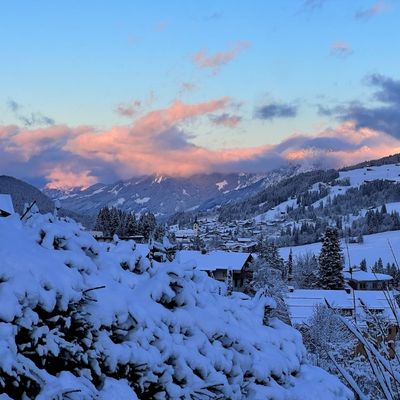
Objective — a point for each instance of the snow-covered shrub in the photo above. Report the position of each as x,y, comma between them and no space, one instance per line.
87,320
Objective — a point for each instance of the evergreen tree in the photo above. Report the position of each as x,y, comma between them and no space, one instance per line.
269,253
114,221
289,266
363,265
147,225
378,267
131,227
330,261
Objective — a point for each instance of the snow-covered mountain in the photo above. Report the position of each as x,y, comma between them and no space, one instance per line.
165,195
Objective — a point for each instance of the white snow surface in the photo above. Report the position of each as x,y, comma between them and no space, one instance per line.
374,246
143,200
146,331
221,185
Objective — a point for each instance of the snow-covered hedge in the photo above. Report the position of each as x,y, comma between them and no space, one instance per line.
87,320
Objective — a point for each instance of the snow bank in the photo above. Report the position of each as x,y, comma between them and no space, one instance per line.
84,320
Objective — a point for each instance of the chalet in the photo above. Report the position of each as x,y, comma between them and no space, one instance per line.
362,280
301,304
217,263
6,205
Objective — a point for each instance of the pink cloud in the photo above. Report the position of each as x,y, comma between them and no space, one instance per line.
178,111
377,8
31,142
62,176
157,142
214,61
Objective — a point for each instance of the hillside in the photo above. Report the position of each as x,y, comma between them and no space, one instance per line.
22,193
84,320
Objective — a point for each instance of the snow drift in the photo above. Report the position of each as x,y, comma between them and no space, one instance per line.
87,320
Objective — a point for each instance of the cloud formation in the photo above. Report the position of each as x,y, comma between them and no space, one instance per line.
312,5
160,141
341,49
276,110
129,110
226,119
377,8
384,116
30,119
215,61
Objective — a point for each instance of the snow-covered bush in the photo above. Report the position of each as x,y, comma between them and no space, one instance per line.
87,320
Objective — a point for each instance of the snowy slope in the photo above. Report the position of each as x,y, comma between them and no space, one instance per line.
374,246
357,177
83,320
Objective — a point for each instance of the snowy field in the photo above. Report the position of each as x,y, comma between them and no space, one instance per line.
374,246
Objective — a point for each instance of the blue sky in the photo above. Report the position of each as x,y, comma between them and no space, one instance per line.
74,63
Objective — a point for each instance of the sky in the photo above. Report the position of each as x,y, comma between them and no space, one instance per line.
98,91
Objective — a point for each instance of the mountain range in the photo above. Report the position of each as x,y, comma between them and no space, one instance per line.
166,195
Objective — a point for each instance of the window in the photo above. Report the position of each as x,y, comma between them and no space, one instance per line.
363,285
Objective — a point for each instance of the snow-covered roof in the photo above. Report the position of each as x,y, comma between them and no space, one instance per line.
6,204
184,232
363,276
214,260
301,302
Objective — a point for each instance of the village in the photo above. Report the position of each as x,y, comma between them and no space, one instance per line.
233,264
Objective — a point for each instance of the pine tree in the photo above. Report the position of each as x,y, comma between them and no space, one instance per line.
363,265
114,221
330,261
131,226
269,253
378,267
289,266
147,225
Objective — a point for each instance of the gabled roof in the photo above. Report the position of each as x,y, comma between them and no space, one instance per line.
363,276
301,302
214,260
6,204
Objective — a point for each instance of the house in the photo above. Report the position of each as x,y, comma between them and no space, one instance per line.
6,205
217,263
301,304
362,280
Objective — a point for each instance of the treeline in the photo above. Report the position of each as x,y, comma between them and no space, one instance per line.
392,159
292,187
112,221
